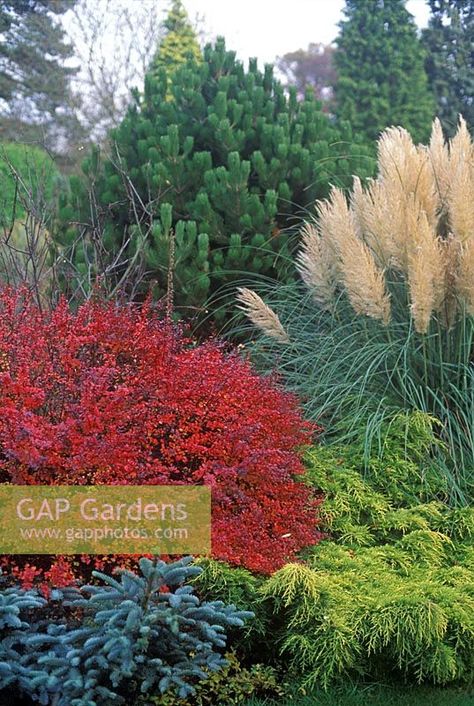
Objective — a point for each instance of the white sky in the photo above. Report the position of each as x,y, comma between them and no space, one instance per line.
270,28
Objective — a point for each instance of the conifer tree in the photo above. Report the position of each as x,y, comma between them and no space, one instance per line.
380,63
179,42
143,631
449,40
227,165
35,96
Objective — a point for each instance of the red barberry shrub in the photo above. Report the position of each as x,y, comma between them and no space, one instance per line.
113,395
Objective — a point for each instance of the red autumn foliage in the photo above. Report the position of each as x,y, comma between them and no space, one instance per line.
113,395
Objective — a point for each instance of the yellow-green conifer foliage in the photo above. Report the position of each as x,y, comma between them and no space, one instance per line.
389,594
179,43
392,590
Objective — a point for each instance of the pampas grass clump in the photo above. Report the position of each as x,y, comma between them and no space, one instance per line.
383,319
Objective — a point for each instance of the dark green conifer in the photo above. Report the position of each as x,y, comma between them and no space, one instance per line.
36,101
227,165
449,40
380,64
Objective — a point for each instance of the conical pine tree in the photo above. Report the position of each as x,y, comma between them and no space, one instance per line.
179,42
449,40
380,63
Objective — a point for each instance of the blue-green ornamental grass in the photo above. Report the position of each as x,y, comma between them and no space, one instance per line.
354,374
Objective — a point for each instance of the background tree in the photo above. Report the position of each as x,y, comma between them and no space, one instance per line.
312,67
35,95
112,63
449,40
220,173
26,172
380,63
179,42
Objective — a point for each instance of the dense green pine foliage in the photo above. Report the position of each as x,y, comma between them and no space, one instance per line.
227,162
449,43
381,75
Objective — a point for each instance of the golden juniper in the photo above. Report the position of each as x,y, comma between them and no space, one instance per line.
389,595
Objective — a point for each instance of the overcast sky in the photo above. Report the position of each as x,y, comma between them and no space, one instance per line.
270,28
